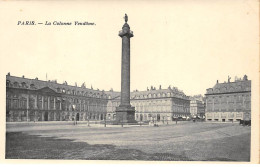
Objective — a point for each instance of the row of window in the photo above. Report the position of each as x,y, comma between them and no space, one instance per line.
229,89
152,103
229,106
229,98
158,95
22,85
65,105
59,90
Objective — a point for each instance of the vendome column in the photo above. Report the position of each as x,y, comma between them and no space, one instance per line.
125,112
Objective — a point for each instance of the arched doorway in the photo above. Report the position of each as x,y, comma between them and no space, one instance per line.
77,117
158,117
114,116
141,117
46,116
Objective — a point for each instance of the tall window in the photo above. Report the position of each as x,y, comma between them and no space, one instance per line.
63,105
57,104
82,106
51,102
16,103
31,102
39,104
45,103
8,103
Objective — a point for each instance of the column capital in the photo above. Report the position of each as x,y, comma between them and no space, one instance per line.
126,31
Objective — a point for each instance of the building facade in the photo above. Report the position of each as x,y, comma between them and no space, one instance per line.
36,100
229,101
155,105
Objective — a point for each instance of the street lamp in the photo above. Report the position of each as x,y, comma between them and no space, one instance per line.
122,121
163,119
105,118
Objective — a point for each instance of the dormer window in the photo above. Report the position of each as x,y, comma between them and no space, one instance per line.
32,86
16,85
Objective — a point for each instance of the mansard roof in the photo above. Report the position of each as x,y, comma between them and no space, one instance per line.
25,83
231,87
170,92
35,84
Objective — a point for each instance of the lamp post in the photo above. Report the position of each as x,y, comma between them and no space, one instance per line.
88,117
163,119
105,119
122,121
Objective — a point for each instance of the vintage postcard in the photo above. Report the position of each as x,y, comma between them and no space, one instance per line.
129,82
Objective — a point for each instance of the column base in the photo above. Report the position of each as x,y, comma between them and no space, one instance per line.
125,114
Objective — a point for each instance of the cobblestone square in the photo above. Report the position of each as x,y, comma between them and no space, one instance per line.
185,141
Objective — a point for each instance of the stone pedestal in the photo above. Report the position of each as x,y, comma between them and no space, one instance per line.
125,114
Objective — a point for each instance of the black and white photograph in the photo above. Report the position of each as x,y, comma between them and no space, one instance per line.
127,81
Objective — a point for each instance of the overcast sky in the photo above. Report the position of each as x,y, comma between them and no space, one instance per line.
185,44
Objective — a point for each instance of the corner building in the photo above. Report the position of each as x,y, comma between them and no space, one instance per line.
229,101
197,106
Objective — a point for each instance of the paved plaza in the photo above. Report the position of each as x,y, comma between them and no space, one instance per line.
185,141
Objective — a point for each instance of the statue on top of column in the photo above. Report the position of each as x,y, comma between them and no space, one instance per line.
126,18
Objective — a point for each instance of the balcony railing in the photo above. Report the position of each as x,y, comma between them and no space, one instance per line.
129,31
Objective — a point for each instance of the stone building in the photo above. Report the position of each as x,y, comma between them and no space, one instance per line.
35,100
154,105
197,106
229,101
